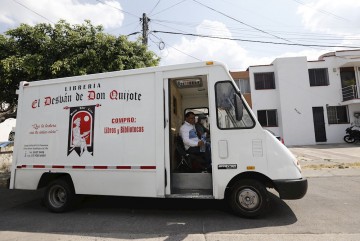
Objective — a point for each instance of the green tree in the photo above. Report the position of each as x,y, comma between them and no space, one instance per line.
43,51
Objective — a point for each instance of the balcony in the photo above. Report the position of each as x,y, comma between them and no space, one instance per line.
350,94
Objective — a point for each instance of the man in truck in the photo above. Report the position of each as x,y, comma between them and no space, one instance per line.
192,143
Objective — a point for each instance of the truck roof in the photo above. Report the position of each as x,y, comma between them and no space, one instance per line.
129,72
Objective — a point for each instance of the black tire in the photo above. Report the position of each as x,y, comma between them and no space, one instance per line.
349,139
248,198
59,196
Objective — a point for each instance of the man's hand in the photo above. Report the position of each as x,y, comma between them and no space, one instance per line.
200,143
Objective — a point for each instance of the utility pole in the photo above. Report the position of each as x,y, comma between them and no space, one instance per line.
145,29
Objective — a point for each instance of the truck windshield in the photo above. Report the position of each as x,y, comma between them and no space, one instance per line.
231,112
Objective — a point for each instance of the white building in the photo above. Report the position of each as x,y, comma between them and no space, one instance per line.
307,102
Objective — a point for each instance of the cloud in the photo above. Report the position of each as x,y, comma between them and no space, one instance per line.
335,17
75,12
192,49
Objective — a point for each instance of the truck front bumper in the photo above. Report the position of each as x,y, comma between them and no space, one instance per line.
291,188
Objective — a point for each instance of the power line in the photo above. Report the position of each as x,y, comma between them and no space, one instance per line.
123,26
34,11
168,8
132,34
154,6
248,25
160,44
119,9
55,23
322,11
256,41
175,48
186,53
171,27
316,36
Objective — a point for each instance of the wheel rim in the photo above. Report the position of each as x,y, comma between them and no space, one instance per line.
249,199
349,139
57,196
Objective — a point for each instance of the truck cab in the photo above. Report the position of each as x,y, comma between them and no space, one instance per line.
246,159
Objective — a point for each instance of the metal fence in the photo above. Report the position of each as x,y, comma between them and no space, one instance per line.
349,92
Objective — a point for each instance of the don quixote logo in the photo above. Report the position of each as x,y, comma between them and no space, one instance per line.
81,130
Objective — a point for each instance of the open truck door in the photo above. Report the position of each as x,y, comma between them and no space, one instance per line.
187,177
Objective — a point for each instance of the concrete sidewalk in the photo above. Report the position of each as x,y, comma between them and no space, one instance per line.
328,159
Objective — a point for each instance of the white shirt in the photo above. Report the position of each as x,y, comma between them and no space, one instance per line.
189,136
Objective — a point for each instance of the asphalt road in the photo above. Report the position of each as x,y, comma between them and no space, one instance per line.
329,211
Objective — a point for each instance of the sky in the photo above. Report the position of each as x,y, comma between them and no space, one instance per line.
252,32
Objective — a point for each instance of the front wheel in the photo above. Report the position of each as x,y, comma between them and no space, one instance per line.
349,139
248,198
59,196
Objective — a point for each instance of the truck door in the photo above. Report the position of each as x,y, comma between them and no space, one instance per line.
187,176
234,142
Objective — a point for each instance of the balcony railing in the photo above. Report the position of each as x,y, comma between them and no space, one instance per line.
349,92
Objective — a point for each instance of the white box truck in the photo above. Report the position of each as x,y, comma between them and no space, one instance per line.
116,134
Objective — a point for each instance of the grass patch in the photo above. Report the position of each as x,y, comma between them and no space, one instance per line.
332,166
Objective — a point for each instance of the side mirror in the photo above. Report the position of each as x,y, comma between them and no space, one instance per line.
239,107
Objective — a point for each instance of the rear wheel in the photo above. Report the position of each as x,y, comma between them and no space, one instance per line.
349,139
248,198
59,196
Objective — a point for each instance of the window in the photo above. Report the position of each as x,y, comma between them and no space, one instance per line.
264,80
338,114
231,111
267,118
319,77
348,83
244,86
347,75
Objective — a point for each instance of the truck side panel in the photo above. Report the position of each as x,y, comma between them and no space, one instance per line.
100,131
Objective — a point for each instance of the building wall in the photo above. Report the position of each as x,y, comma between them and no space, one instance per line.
265,99
329,96
294,98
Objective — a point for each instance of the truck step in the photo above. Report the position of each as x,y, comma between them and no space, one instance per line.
190,196
191,193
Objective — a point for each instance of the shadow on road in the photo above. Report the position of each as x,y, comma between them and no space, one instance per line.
119,217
